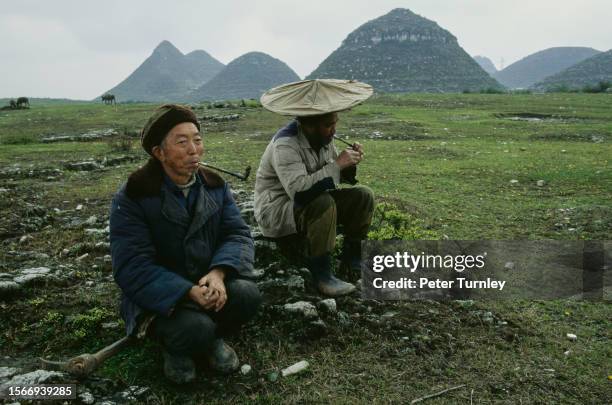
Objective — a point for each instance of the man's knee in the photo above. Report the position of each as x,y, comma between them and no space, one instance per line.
364,196
244,299
320,206
186,332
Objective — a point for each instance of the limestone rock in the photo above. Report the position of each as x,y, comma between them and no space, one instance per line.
303,307
8,372
36,377
8,287
328,305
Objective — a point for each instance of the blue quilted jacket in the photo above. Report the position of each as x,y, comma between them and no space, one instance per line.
159,251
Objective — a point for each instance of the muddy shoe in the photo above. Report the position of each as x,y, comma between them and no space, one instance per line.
178,369
334,287
326,283
222,358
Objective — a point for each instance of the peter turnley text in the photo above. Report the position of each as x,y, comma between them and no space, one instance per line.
423,282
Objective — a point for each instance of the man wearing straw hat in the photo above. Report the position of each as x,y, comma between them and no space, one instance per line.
297,194
181,253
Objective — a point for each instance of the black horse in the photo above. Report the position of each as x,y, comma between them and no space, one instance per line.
109,99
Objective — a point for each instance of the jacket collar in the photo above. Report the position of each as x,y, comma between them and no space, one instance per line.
147,181
173,211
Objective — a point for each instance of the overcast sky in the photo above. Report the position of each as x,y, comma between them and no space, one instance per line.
79,49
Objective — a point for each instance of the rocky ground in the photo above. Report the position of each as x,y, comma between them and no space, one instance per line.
50,254
59,300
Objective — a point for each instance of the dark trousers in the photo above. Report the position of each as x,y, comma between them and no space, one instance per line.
190,330
317,221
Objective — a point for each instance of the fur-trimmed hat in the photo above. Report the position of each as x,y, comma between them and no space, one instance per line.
162,121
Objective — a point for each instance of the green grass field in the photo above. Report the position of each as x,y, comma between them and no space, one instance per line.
455,166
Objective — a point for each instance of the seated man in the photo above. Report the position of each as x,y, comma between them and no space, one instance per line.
181,252
296,189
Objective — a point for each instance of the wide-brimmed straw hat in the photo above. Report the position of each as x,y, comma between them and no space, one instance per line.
315,97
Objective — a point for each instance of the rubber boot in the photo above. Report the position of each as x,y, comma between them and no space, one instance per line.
326,283
350,257
179,369
222,358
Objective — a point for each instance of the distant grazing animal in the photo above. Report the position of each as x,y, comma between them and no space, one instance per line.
109,99
13,104
23,102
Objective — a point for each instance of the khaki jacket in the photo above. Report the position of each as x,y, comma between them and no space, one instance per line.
291,174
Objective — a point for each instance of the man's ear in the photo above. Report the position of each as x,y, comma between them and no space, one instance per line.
158,152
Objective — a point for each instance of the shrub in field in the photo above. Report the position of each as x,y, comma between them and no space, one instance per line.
561,88
600,87
389,223
492,90
88,323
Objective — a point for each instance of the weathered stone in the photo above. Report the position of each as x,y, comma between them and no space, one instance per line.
318,326
295,283
86,397
36,270
95,231
487,317
131,394
36,377
88,136
84,166
102,245
7,372
138,391
8,287
259,273
28,278
303,307
343,318
220,118
328,305
115,161
245,369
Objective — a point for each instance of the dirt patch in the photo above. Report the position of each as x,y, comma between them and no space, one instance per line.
536,117
575,137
